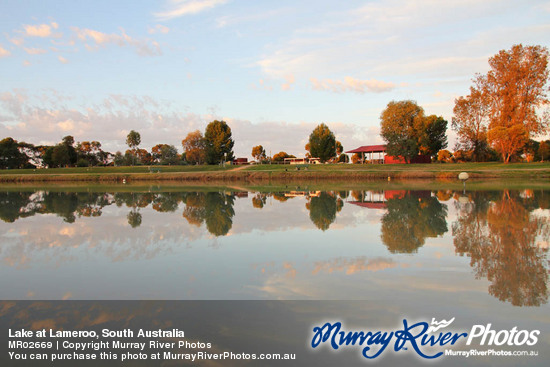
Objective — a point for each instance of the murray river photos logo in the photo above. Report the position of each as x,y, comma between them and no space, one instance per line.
428,341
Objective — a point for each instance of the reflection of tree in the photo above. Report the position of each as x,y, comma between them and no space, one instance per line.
219,213
499,237
280,196
410,220
12,203
323,208
213,208
134,218
166,202
195,211
259,200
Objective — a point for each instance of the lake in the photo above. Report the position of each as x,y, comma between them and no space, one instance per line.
476,254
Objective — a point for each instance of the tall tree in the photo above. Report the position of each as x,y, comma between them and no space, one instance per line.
322,143
258,153
133,140
194,146
219,144
516,88
401,127
68,142
470,121
434,137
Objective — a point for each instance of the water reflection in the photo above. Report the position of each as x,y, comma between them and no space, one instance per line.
323,207
411,217
503,235
498,231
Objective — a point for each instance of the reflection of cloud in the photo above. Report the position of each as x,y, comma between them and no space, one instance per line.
283,287
43,324
352,266
291,271
67,295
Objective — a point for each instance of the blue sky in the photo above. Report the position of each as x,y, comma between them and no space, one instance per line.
272,69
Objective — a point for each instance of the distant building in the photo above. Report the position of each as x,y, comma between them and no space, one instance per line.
377,154
302,161
240,161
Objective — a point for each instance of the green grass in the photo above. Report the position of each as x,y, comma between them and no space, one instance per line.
284,173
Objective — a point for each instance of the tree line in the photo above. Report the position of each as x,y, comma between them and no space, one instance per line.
214,147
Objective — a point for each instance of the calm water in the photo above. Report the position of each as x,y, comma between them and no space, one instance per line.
480,246
367,257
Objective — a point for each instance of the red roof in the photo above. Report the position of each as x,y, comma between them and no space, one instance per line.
369,149
379,205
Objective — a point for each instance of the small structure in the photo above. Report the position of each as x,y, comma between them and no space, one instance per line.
302,161
370,150
240,161
368,155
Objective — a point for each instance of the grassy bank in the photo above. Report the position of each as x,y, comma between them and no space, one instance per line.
281,173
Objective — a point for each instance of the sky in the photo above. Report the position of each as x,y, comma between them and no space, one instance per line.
273,70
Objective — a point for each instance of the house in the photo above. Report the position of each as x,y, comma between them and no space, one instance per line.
377,154
240,161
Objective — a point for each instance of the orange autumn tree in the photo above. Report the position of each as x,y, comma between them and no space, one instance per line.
516,89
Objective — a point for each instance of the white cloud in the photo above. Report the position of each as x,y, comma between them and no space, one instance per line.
66,126
24,117
17,41
63,60
178,8
35,51
350,84
41,30
289,81
4,52
144,47
159,28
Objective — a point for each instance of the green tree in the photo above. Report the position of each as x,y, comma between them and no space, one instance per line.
219,144
401,127
10,156
516,89
133,140
434,137
61,156
68,142
322,143
258,153
164,154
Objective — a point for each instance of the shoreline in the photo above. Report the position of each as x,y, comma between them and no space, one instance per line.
288,174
